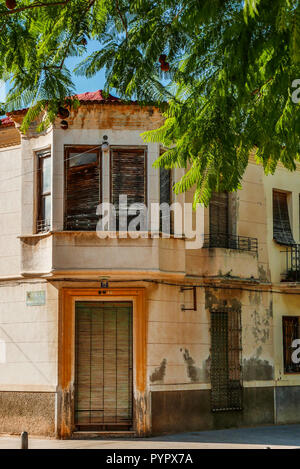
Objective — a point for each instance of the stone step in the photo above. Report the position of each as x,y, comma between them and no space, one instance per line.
105,435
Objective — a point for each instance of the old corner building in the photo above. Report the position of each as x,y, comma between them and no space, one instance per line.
179,339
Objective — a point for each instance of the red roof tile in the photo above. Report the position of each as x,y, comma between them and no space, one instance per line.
88,97
6,122
96,96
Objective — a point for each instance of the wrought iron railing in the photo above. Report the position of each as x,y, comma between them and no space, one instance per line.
42,226
229,241
292,263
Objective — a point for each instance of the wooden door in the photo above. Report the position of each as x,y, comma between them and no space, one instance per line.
103,368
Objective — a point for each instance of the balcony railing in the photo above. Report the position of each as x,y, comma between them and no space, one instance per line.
292,263
228,241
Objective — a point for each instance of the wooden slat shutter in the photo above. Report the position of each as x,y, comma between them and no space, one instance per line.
128,175
219,221
282,232
82,189
103,385
218,214
165,185
165,196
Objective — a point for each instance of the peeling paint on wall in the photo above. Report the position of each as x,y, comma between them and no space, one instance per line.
264,276
230,304
261,328
195,373
255,298
256,369
270,309
159,372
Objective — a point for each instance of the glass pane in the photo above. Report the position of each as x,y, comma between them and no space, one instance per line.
46,175
46,208
79,159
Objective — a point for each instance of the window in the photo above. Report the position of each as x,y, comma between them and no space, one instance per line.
219,220
282,232
291,331
82,188
44,192
226,376
218,214
165,197
128,177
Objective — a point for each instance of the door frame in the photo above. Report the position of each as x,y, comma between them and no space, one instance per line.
66,354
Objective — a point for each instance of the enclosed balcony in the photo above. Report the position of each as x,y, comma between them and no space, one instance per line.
225,255
85,253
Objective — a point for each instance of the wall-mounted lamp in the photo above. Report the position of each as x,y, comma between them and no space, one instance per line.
103,284
105,144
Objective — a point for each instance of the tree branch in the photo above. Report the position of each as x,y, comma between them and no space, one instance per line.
258,90
91,3
34,5
122,19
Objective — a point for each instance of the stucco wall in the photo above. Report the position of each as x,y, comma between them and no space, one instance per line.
179,341
28,336
10,210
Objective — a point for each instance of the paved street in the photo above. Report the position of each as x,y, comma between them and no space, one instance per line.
283,436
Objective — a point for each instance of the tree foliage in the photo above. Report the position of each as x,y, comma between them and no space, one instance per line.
229,89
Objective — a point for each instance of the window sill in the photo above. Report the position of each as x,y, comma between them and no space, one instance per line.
36,235
121,234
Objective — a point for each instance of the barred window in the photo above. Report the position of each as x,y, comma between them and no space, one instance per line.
226,350
291,332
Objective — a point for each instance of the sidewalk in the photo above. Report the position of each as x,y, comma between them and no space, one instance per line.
283,436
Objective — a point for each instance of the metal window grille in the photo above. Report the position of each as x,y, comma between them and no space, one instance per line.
226,358
291,331
43,226
103,371
292,262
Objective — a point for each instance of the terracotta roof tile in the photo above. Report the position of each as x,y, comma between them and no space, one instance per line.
88,97
96,96
6,122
